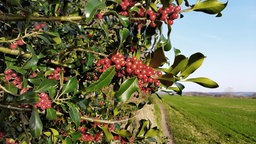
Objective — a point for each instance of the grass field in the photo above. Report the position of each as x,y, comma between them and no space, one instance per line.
212,120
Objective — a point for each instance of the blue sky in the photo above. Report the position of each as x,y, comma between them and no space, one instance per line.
229,43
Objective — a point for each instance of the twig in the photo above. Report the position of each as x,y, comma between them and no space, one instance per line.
15,52
6,17
14,108
105,121
4,89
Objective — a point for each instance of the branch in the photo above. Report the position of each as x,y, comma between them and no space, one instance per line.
15,52
4,89
14,108
5,17
105,121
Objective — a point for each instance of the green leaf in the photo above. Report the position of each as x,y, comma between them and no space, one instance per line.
153,132
165,3
55,135
107,134
35,124
123,133
76,135
209,6
74,113
104,80
127,88
158,58
179,2
51,114
46,84
29,97
179,64
124,20
166,79
10,87
116,1
91,8
168,45
33,60
194,62
123,33
179,87
70,86
143,128
44,39
57,40
205,82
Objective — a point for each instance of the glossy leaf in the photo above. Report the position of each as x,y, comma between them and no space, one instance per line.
35,124
127,88
74,113
179,2
55,135
57,40
70,86
165,3
153,132
143,128
209,6
180,62
194,62
168,45
158,58
104,80
179,87
107,134
91,8
123,34
29,97
205,82
46,84
123,133
166,79
124,20
33,60
51,114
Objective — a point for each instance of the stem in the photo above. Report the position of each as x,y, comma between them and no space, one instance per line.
89,51
105,121
4,89
14,108
15,52
6,17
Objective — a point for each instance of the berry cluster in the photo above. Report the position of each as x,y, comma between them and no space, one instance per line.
39,26
17,43
87,137
12,77
44,102
126,4
130,67
55,74
168,15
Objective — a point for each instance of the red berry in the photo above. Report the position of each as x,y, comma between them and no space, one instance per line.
99,16
177,9
152,24
174,16
20,42
42,25
37,27
14,45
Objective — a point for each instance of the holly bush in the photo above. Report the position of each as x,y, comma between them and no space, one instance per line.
76,71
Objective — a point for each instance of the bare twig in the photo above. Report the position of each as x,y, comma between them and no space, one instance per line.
14,108
106,121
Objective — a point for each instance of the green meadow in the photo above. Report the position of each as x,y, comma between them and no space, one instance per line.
211,120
